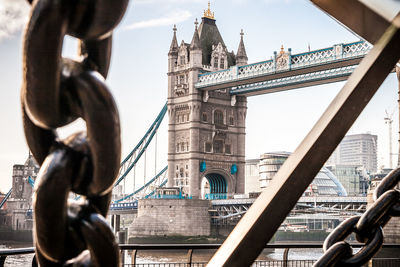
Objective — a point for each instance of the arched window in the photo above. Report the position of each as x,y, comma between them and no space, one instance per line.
231,122
218,117
204,116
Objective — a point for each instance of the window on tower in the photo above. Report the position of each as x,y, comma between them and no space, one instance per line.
181,79
204,117
215,62
182,58
231,122
218,146
228,149
218,117
222,63
207,147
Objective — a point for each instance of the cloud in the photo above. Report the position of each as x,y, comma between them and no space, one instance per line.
170,19
13,15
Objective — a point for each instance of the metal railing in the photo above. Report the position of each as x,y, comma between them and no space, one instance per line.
133,249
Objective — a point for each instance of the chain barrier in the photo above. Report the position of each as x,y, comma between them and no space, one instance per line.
367,228
55,92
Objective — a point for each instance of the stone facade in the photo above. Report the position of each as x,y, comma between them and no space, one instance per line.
205,127
19,205
171,217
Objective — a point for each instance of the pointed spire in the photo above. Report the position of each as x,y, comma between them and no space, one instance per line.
241,56
174,44
195,44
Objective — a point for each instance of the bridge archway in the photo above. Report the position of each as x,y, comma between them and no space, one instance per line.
214,185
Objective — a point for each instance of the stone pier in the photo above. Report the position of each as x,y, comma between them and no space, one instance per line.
171,217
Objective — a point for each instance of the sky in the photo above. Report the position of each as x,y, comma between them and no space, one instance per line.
138,79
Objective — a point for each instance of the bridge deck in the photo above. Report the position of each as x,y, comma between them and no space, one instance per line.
327,65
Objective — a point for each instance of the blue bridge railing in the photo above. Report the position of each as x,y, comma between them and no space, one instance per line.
216,196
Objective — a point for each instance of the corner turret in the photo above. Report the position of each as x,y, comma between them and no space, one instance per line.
195,49
173,52
241,56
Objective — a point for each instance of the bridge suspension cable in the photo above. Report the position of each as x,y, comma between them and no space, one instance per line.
30,181
162,182
133,157
5,198
136,153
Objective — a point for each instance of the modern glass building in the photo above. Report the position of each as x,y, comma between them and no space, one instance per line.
352,177
357,150
324,184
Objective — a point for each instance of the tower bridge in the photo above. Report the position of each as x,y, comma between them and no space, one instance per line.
208,88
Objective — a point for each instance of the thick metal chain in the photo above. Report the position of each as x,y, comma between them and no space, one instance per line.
367,228
55,92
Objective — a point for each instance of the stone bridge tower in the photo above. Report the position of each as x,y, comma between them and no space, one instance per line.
206,131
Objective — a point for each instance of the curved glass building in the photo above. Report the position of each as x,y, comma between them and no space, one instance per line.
325,183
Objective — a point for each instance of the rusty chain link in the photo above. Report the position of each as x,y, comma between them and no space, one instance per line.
367,228
55,92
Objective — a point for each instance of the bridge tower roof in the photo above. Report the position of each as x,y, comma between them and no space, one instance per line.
209,36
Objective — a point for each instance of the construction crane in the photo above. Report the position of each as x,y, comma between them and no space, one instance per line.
388,120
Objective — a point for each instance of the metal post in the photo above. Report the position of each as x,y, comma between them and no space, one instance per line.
34,262
133,257
117,222
2,260
398,104
189,257
144,171
134,175
285,257
122,240
155,155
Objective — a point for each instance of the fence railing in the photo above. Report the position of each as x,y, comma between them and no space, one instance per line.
133,250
